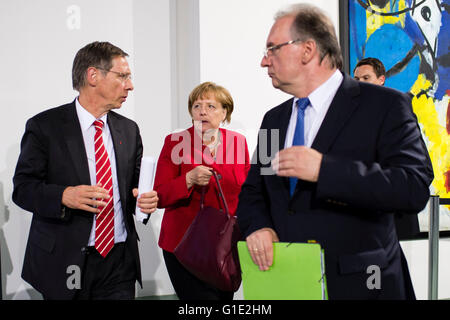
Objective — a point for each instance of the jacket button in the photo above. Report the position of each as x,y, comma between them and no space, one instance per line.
63,212
219,176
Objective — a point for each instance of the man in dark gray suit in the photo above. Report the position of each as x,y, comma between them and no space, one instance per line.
360,159
82,192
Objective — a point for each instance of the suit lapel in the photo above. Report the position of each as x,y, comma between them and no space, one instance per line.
119,142
75,144
281,183
285,116
340,111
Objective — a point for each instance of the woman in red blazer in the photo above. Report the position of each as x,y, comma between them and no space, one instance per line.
184,169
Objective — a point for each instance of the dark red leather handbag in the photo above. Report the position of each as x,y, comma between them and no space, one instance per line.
208,249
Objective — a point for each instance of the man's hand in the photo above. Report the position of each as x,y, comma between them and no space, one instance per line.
298,161
200,175
259,244
86,198
147,202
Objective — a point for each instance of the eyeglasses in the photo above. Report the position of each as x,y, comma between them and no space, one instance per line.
123,76
271,49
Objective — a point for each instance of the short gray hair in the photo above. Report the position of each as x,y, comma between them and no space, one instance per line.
312,23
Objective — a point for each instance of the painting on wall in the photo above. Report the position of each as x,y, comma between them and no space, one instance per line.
412,39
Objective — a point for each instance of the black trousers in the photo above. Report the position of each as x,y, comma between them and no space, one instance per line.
109,278
189,287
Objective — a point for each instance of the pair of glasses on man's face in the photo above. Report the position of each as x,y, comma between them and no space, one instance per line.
270,50
123,76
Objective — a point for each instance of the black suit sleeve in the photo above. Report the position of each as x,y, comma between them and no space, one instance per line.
253,209
399,178
136,171
31,192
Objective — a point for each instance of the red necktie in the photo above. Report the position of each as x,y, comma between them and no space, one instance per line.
104,227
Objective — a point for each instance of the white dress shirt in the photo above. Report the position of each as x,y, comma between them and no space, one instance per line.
88,130
320,100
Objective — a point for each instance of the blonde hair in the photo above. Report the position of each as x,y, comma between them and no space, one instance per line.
210,89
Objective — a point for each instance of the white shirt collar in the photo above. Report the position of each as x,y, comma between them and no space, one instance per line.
86,118
320,97
320,101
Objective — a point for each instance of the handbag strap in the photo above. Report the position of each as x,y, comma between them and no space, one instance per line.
221,195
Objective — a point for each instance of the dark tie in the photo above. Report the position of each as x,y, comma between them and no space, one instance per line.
299,134
104,225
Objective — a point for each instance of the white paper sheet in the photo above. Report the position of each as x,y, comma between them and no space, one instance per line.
146,177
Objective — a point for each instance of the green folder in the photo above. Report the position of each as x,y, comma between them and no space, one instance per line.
297,273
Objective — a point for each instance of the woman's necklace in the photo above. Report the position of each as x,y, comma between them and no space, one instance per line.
213,146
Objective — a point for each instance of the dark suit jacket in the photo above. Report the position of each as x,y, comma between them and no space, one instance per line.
406,226
52,158
374,163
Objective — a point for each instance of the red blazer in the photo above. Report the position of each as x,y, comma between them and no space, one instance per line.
181,153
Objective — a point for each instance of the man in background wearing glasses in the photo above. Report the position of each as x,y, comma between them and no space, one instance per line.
77,173
352,156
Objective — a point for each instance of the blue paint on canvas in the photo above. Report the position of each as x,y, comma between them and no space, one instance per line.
391,44
406,45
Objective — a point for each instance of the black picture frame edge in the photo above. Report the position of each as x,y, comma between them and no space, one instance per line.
344,34
425,235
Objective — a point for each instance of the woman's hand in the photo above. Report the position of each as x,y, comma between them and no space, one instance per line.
200,176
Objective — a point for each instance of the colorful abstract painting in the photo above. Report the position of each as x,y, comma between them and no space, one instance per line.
412,40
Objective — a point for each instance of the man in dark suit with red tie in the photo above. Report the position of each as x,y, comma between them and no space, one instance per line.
351,156
78,172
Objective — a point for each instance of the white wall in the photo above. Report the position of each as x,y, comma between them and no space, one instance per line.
416,253
155,112
173,46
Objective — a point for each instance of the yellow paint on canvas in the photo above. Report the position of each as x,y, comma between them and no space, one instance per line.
375,21
438,140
